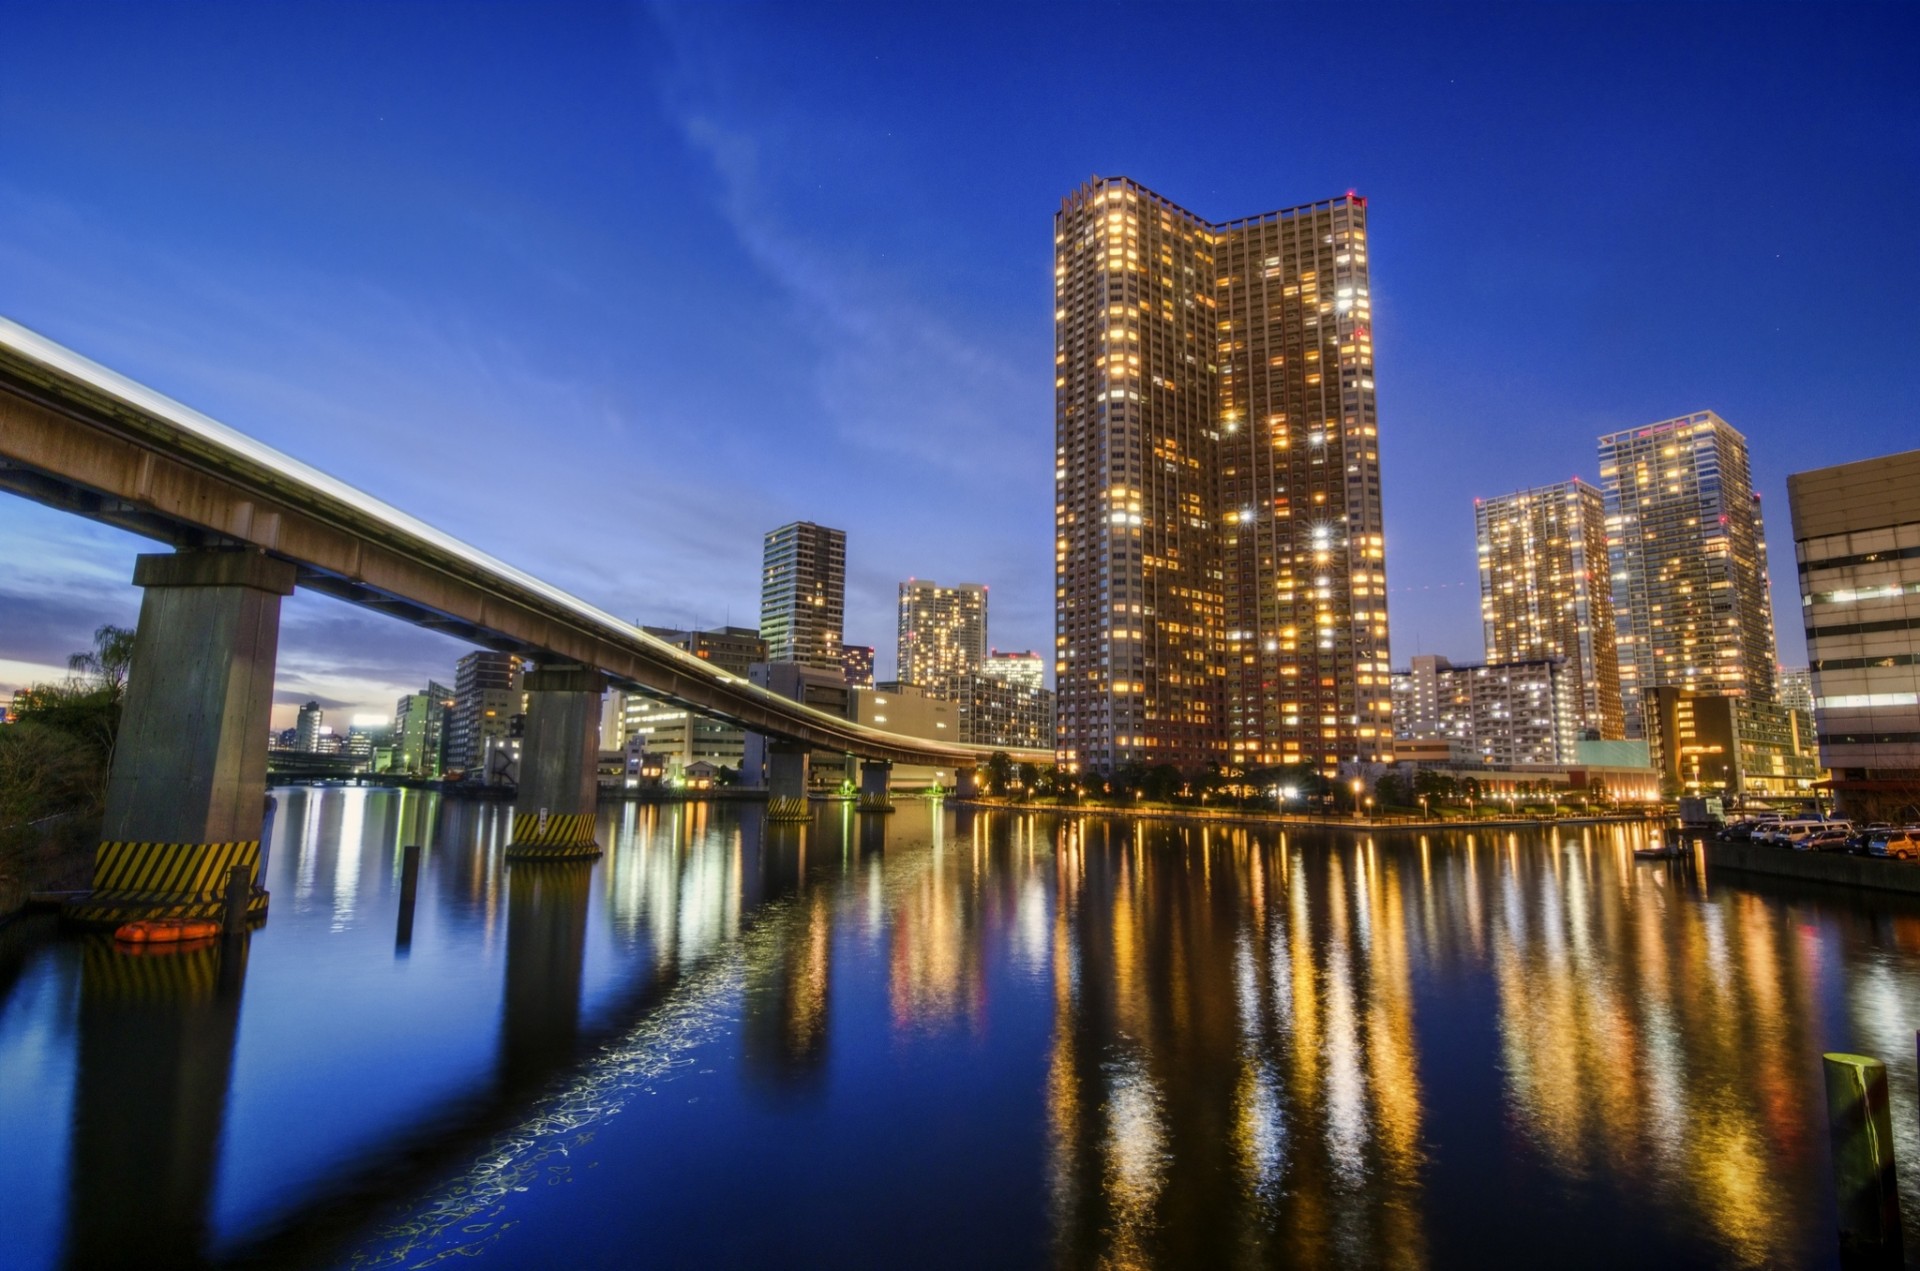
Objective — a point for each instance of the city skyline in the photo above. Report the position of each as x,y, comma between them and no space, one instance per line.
347,287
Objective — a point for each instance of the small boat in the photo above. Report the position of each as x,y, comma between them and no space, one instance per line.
1659,852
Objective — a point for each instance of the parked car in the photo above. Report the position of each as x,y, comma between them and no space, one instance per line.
1898,845
1831,840
1863,836
1786,833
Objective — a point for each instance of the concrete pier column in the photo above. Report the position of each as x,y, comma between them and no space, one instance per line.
787,782
1866,1193
184,797
553,813
875,796
966,783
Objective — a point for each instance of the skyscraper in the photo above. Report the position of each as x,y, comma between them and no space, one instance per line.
803,594
943,633
1545,592
1219,557
1688,555
309,728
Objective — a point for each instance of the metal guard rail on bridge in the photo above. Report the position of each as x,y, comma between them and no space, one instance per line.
78,436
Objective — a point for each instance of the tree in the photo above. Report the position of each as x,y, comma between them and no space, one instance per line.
1162,782
997,772
1391,791
87,706
725,776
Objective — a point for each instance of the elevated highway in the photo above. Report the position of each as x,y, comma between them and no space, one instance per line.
77,436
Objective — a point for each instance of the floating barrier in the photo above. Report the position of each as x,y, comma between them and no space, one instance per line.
166,931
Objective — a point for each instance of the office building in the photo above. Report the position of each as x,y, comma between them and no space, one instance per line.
1219,560
910,711
310,729
419,730
943,633
679,737
1545,592
1688,554
1498,713
1856,538
803,594
1738,748
487,697
856,663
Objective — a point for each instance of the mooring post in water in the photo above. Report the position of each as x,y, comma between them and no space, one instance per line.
409,887
239,892
1861,1125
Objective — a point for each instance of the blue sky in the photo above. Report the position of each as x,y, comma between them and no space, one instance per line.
610,290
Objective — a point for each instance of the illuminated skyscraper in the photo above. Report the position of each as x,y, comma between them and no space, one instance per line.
1545,593
943,633
1219,559
1688,555
803,594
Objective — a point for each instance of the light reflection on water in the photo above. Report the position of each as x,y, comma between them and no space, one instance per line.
1133,1044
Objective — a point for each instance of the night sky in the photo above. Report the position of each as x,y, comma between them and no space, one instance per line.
609,291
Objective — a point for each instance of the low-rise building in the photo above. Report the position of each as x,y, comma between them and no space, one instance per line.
1503,713
1734,747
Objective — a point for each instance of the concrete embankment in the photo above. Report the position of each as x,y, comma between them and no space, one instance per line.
1819,867
1208,816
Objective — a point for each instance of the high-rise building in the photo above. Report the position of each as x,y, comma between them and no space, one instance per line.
856,663
310,728
1856,536
943,633
1219,557
803,594
486,698
1688,554
1545,593
681,737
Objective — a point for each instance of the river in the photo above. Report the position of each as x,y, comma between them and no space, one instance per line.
953,1038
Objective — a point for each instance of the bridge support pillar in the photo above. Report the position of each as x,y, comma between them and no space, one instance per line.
966,783
787,782
559,796
875,774
184,797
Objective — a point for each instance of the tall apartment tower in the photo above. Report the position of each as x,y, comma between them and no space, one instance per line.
1545,592
1219,556
943,633
803,594
1688,554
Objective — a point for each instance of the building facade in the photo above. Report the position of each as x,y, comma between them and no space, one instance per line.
310,728
1688,553
1499,713
943,633
998,711
1545,592
419,730
803,594
1219,558
1856,539
1027,668
486,698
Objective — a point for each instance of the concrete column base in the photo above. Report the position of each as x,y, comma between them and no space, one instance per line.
565,837
559,794
137,881
184,798
875,791
788,808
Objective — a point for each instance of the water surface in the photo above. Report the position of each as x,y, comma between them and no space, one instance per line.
953,1039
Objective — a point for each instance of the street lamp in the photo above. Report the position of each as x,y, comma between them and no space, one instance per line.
1357,784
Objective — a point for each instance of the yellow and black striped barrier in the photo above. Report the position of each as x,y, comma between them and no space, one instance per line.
876,803
788,808
178,976
550,837
132,881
